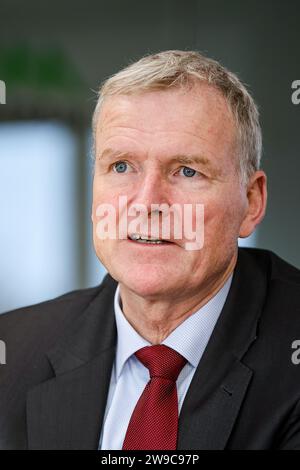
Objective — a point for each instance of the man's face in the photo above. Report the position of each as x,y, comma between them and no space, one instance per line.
138,141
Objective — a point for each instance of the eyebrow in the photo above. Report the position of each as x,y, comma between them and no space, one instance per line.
188,159
183,159
110,153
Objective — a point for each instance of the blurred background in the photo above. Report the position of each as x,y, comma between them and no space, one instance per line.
54,55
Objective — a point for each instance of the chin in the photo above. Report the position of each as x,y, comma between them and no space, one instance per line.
145,281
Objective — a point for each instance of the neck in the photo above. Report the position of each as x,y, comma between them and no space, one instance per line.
154,320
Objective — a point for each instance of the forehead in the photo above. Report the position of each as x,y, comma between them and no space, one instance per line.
176,117
193,102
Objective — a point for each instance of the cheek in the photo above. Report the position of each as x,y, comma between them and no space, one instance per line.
106,218
221,218
103,195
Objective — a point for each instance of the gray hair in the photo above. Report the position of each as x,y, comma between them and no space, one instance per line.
174,68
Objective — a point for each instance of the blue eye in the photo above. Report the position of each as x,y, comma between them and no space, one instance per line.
189,172
120,167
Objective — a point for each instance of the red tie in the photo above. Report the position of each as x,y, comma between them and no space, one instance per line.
154,422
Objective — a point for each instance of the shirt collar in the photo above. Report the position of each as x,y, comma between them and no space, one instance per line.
189,338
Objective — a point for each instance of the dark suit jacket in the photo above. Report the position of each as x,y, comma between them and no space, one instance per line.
245,393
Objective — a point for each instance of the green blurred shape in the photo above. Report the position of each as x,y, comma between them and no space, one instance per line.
46,69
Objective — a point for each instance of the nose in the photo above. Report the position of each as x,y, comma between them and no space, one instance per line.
152,189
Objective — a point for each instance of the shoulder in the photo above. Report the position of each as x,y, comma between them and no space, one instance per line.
280,283
275,269
280,318
47,318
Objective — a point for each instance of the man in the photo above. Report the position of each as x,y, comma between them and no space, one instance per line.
179,347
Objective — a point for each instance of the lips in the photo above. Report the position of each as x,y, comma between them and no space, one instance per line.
147,239
137,236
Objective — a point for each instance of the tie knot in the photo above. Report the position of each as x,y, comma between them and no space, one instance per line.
161,361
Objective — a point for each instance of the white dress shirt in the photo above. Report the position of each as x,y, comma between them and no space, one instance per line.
129,376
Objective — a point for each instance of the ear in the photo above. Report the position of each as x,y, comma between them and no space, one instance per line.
257,202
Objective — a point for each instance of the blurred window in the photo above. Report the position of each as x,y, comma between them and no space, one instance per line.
38,230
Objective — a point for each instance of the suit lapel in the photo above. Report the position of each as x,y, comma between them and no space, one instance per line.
66,412
219,385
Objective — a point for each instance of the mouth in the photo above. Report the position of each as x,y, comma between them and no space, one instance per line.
145,240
